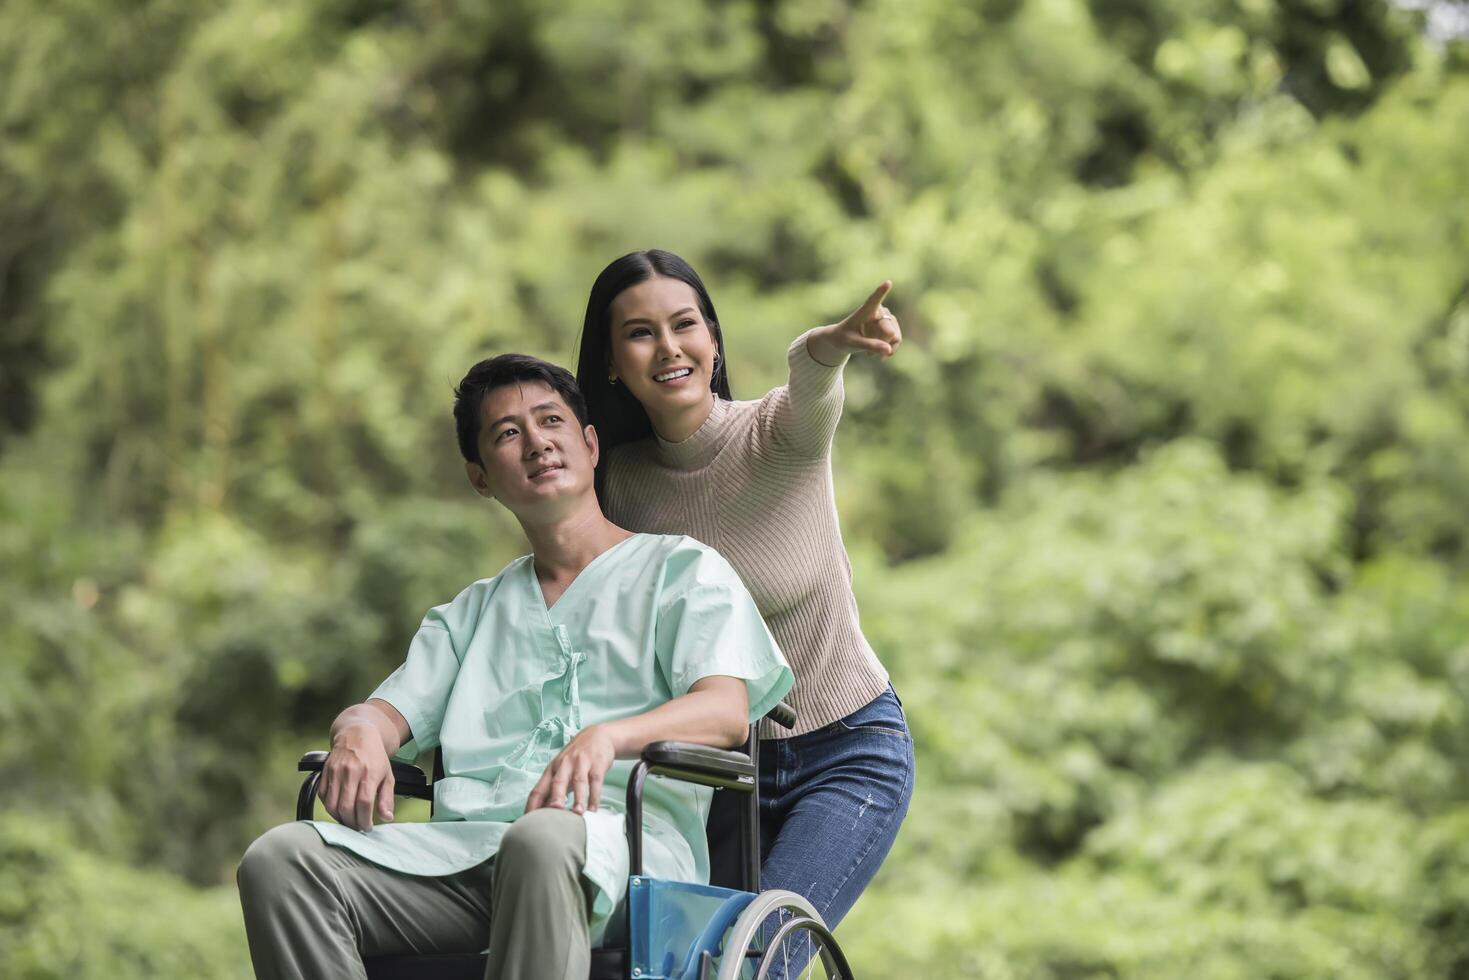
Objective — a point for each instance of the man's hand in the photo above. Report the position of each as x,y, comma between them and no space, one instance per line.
577,769
871,328
357,778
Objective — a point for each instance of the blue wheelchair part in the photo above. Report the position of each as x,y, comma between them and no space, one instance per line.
673,923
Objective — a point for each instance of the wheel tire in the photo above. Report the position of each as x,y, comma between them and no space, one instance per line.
745,934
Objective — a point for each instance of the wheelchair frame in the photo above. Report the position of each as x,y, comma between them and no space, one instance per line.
700,764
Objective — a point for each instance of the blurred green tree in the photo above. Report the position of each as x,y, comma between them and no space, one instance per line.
1157,518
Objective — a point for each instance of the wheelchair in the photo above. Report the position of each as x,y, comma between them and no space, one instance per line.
673,930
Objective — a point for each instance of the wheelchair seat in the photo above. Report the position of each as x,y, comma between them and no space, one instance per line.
607,964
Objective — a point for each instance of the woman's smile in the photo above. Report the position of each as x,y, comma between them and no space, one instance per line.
663,350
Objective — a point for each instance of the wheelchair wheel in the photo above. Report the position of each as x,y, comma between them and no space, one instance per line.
780,936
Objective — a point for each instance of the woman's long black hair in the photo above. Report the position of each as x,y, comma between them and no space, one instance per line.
618,416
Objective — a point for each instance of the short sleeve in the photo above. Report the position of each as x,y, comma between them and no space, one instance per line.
420,687
708,625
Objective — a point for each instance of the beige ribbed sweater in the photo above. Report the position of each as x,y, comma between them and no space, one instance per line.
754,483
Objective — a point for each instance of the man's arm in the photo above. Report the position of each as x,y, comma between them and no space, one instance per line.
714,712
358,773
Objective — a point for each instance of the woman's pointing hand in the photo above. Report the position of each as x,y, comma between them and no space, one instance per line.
871,328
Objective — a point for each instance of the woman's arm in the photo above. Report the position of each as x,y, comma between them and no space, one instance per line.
714,712
802,415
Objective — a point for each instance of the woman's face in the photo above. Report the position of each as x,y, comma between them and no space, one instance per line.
661,347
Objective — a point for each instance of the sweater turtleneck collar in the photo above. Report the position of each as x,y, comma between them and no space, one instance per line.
701,447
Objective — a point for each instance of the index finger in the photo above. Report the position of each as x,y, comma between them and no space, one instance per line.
342,798
869,308
534,801
326,791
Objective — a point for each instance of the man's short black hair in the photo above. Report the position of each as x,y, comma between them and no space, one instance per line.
496,372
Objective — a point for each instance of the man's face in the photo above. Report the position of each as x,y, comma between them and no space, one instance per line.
534,454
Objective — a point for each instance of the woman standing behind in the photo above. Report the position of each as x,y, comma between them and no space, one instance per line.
753,480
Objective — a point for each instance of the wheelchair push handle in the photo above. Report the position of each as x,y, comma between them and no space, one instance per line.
782,714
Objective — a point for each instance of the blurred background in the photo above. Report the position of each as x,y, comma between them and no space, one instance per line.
1159,518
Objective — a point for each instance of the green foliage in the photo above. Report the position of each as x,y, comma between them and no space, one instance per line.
1173,714
65,914
1157,517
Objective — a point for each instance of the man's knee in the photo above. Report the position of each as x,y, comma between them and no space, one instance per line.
547,838
276,855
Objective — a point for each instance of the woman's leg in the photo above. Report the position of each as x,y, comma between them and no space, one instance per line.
831,804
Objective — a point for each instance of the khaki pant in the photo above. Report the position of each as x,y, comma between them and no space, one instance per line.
313,911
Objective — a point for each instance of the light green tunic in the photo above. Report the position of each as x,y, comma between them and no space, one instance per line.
501,684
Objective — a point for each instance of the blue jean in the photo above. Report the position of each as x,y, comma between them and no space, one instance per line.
831,802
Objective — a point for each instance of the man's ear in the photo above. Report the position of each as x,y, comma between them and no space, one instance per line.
589,433
477,479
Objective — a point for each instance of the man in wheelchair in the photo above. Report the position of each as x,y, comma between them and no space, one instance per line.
538,686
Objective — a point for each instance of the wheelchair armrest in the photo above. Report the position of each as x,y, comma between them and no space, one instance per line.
405,775
782,714
700,764
408,780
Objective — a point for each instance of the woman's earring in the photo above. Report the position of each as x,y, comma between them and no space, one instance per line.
612,379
